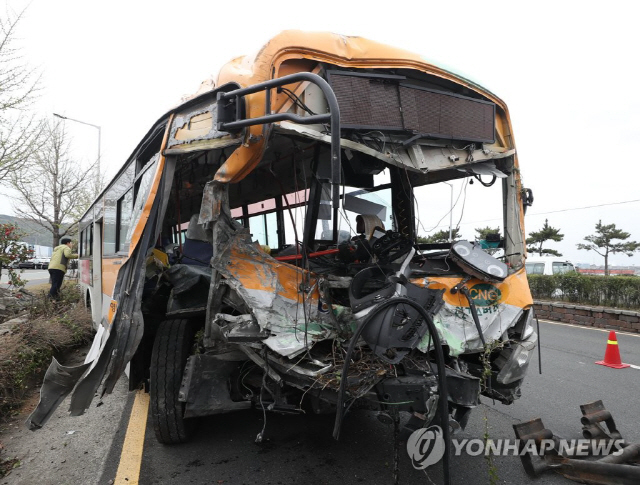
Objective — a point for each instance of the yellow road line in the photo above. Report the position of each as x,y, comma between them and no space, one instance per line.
584,327
131,455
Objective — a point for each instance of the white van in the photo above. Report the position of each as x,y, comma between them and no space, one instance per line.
548,265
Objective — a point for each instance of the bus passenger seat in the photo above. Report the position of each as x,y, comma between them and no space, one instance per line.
196,250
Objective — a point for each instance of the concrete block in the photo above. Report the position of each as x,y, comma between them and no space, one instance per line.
628,318
629,313
613,311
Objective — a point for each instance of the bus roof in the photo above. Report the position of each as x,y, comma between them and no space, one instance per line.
341,50
336,49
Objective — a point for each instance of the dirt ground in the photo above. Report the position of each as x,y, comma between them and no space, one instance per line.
67,450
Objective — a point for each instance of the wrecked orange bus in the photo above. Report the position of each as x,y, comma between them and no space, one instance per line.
260,247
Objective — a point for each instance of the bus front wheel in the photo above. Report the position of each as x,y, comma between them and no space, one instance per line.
171,349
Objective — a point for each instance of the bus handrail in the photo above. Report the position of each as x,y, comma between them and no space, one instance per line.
333,117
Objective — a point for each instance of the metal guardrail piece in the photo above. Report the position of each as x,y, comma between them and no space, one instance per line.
593,414
620,467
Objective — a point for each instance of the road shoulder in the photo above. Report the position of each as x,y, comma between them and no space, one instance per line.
68,449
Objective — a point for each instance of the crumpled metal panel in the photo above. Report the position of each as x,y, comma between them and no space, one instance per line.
184,277
125,330
283,298
499,306
457,329
196,123
272,290
58,383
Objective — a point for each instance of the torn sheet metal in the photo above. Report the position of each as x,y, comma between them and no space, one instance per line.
499,305
416,157
195,126
124,331
284,299
457,329
58,383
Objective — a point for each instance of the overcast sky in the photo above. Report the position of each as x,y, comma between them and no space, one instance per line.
567,70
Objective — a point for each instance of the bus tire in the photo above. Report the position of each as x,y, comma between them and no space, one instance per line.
171,348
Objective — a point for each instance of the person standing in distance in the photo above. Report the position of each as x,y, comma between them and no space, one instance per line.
58,266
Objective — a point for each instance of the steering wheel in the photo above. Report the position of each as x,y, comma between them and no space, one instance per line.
391,246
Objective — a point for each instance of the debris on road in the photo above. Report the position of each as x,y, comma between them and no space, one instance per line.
7,465
618,462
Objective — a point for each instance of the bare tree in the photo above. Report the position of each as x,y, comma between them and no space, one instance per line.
19,85
53,189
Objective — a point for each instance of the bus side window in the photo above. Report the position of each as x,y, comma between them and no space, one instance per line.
263,225
125,208
294,212
109,226
237,214
141,189
86,241
258,232
264,229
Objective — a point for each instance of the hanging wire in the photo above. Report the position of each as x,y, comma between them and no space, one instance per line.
449,211
305,266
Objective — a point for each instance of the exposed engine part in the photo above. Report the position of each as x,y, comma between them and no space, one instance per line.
204,388
392,333
442,384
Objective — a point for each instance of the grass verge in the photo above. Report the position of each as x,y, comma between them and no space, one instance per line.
48,329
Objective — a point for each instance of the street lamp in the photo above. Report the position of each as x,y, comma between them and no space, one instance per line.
99,140
450,212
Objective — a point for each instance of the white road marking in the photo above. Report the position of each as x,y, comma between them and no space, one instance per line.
599,330
584,327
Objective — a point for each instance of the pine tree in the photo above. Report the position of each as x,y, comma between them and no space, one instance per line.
440,237
538,238
602,243
484,231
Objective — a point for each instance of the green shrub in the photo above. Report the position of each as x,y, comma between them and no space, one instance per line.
613,291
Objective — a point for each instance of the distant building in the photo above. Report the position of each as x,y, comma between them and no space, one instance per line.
612,272
39,251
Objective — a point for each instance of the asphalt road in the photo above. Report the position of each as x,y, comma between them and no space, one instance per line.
35,277
300,449
31,276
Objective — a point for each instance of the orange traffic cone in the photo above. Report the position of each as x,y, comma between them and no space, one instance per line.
612,354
